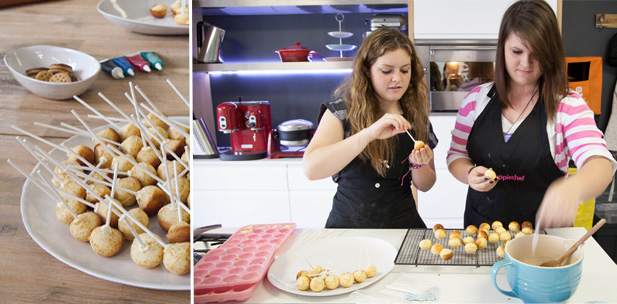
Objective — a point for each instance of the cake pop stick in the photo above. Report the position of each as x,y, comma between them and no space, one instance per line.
66,130
162,187
60,147
136,164
35,182
147,99
77,198
101,170
98,138
135,118
115,119
178,93
96,112
175,180
40,159
113,186
86,133
109,102
57,195
135,234
138,223
167,120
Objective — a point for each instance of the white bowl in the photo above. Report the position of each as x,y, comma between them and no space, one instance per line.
135,16
85,67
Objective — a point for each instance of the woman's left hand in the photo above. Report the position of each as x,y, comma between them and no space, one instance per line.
559,206
421,156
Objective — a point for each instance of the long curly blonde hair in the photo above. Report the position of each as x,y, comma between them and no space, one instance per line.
361,99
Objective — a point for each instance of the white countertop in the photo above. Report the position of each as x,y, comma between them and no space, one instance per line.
457,284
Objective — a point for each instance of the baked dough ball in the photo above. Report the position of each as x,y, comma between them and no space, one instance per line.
144,179
425,244
514,226
370,270
455,234
490,174
129,130
62,175
302,273
151,199
482,234
467,240
184,187
485,226
359,276
179,232
527,228
303,283
156,141
519,234
163,175
471,230
106,241
481,242
148,156
109,134
505,236
149,256
158,10
454,242
156,121
139,215
168,215
436,249
493,237
124,165
501,251
418,145
174,146
346,279
331,281
471,248
317,284
102,209
64,215
440,234
177,258
500,230
132,146
99,189
101,156
84,152
446,254
82,227
127,199
496,224
437,227
73,188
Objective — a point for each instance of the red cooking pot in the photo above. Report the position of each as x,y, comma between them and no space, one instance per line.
294,53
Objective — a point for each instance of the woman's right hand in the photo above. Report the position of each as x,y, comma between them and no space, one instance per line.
478,182
388,126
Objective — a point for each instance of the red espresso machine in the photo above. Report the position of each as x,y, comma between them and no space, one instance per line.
249,124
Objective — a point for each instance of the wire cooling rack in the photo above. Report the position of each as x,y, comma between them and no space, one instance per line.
411,254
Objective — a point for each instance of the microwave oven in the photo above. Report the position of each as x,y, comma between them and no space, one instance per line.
454,67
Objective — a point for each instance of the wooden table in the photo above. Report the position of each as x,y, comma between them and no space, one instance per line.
29,274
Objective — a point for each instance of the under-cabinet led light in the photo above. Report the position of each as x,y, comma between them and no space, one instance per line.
281,72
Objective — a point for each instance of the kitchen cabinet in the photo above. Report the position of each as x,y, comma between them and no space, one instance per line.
456,19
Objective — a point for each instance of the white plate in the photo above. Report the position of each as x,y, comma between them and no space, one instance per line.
340,47
39,216
134,15
342,254
338,34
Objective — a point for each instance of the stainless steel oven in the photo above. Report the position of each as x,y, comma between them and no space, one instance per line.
454,67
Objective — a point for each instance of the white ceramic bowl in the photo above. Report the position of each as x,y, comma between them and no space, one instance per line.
85,67
135,16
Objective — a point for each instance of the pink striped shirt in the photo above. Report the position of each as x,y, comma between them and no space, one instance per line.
572,133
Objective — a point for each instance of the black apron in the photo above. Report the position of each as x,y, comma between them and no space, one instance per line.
366,200
524,165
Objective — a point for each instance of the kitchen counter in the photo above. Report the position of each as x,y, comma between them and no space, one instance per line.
457,283
29,274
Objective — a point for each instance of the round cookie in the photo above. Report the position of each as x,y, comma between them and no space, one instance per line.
43,75
60,77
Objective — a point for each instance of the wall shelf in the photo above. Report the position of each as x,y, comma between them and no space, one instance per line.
270,66
290,7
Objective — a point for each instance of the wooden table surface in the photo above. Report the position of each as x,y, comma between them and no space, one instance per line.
28,273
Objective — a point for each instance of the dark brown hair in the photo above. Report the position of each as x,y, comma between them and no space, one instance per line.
361,99
534,22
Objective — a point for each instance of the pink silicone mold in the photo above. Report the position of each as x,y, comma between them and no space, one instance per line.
232,271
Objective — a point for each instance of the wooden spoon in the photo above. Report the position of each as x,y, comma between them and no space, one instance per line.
556,263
